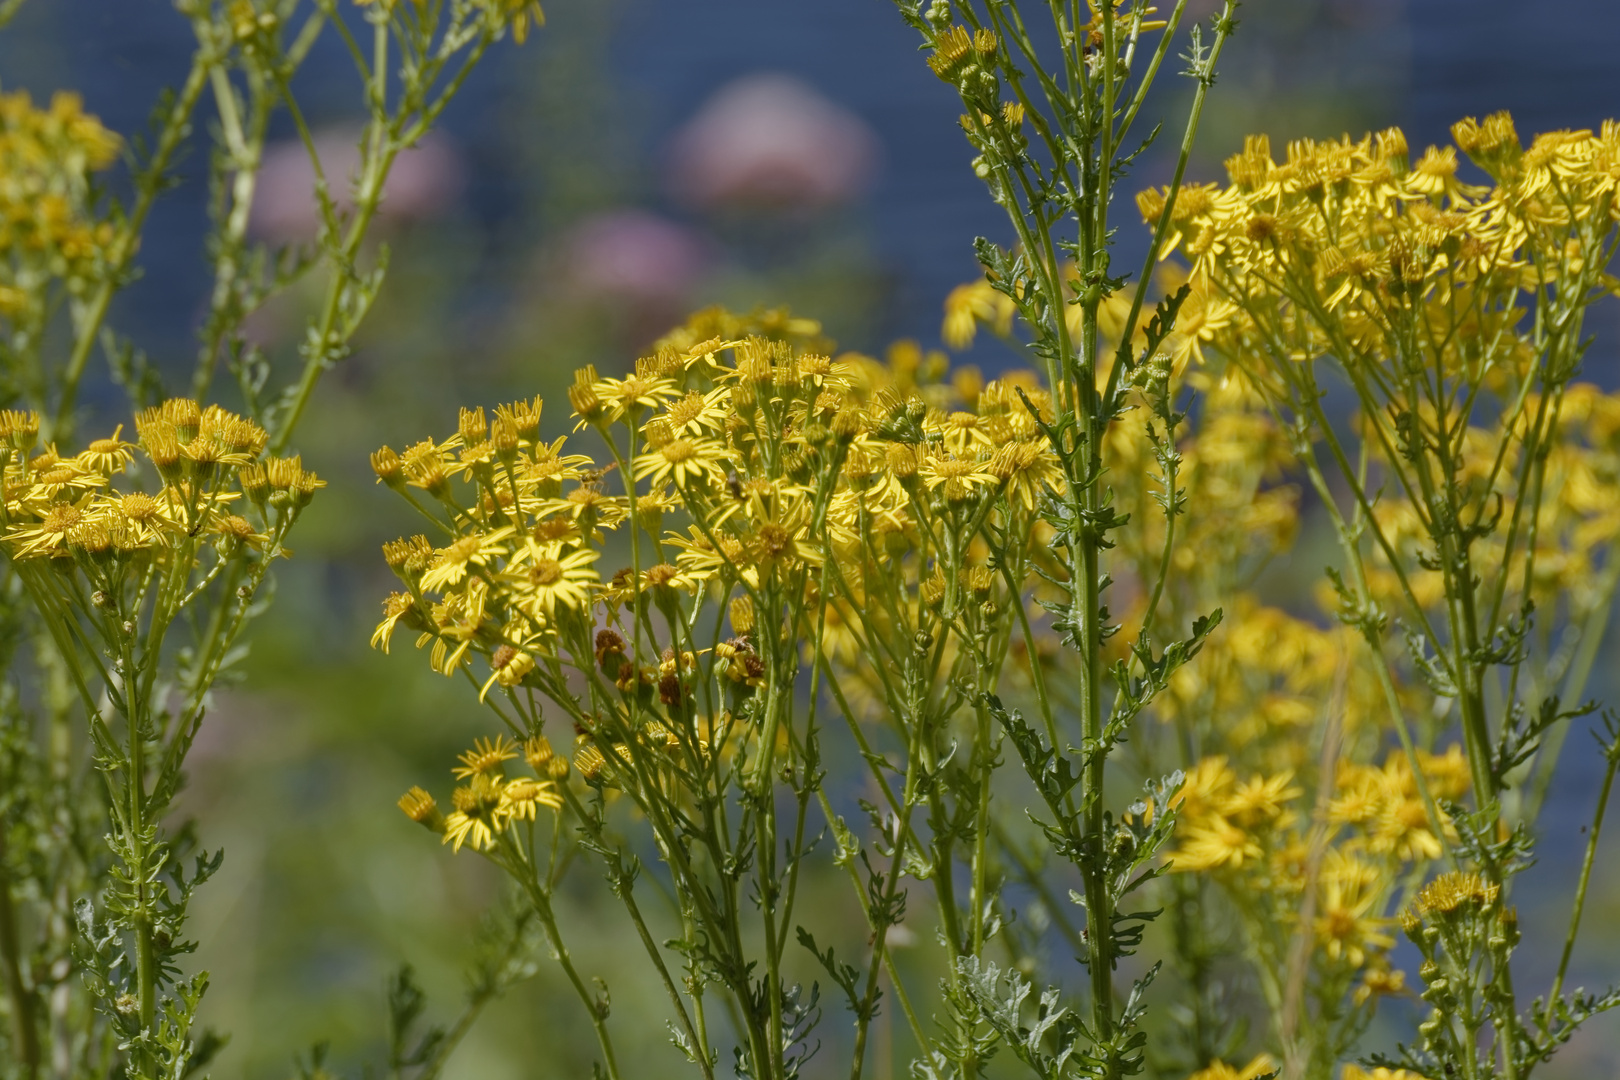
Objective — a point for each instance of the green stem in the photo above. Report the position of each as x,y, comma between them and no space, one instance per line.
548,919
1580,888
148,183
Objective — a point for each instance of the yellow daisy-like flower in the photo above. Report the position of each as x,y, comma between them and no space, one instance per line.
1214,844
508,667
1204,788
1435,175
485,756
698,414
107,456
523,14
520,798
1028,469
686,461
1450,891
969,305
1261,799
452,563
478,814
52,477
421,808
150,516
1346,924
395,608
1261,1065
937,469
53,527
547,578
590,506
1356,1072
237,528
626,397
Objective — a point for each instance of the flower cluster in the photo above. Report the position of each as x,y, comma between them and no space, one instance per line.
1252,833
46,227
489,802
1348,249
1473,499
753,460
1364,229
206,460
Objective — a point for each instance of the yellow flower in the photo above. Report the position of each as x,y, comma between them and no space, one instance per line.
697,414
452,563
546,578
485,756
1212,844
1261,1065
508,667
588,505
478,816
1204,788
1346,924
628,397
1435,174
149,516
48,534
969,473
237,528
1450,891
1260,799
1378,982
107,456
688,462
396,607
966,306
521,797
419,806
521,14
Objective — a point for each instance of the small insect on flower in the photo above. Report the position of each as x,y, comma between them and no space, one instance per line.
1262,1065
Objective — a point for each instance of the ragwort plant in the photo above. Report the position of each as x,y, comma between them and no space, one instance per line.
807,534
805,541
130,570
1473,496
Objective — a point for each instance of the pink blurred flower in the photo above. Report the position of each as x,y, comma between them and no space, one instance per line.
771,140
633,255
424,181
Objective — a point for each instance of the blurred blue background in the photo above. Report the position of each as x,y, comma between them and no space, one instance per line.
636,159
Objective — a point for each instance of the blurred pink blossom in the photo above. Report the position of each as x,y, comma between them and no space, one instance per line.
771,140
633,255
424,181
